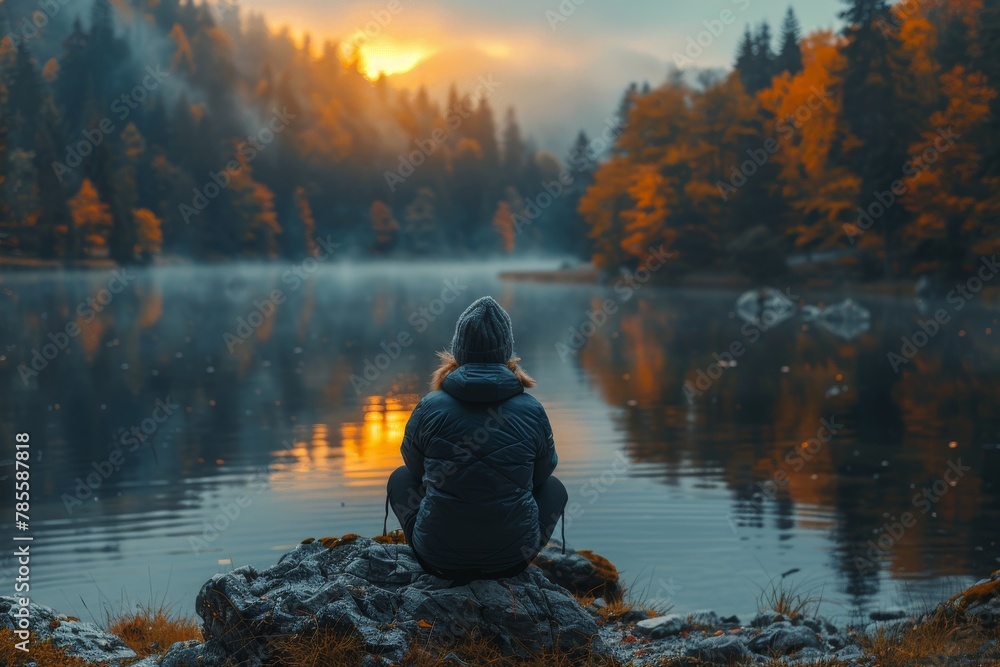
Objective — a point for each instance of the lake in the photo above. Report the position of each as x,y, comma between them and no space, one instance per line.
188,420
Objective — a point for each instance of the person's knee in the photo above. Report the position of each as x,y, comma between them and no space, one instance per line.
551,498
553,492
558,491
400,479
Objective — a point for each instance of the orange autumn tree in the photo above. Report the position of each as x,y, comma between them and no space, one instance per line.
91,220
149,236
954,206
820,191
503,221
384,225
659,187
601,207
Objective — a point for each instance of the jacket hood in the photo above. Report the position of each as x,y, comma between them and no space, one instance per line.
482,383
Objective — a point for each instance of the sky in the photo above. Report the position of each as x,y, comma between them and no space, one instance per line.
562,64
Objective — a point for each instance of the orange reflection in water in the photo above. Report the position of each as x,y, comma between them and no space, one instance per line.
371,446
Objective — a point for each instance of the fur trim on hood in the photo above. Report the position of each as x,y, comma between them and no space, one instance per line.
448,364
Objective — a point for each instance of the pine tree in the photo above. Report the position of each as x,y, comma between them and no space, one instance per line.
790,55
514,151
873,109
745,61
26,93
625,108
764,56
54,212
989,64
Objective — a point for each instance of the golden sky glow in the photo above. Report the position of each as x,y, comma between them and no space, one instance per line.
384,54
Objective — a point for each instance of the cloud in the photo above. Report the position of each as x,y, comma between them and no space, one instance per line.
559,80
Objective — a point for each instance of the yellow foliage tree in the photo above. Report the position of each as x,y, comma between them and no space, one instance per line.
807,107
383,224
951,202
148,232
91,219
503,220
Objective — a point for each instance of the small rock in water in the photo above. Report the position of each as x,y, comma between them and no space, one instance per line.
887,615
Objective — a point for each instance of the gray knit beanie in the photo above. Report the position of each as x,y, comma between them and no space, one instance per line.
483,334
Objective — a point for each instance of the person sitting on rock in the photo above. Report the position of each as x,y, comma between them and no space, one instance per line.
476,497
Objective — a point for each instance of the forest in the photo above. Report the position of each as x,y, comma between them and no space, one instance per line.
155,129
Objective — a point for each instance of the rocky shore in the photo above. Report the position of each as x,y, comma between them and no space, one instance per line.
370,598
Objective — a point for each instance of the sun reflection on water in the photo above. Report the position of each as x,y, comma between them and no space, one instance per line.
371,446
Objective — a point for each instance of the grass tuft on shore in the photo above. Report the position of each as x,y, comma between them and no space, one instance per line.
327,648
41,653
150,630
943,638
789,600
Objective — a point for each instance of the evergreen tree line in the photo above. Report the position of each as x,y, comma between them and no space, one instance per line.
876,148
168,127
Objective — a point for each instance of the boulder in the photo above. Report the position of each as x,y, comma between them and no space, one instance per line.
981,601
582,573
783,638
720,650
183,654
73,636
661,626
379,595
704,619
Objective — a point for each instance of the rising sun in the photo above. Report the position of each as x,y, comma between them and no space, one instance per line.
384,55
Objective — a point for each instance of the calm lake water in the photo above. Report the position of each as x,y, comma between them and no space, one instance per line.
699,499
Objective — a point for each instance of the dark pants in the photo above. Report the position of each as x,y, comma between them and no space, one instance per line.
405,492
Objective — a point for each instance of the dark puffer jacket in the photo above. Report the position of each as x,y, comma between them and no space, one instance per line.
481,446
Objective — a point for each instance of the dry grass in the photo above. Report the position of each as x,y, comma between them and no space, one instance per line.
332,649
151,630
788,600
946,637
616,610
319,649
942,640
41,653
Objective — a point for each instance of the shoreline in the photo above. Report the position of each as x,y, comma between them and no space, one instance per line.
358,601
581,274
